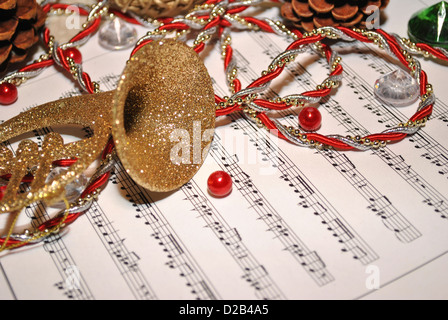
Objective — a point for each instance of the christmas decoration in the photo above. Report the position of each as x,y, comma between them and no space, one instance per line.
117,35
19,24
310,119
219,184
213,18
73,190
430,25
310,14
397,88
8,93
73,54
155,9
165,73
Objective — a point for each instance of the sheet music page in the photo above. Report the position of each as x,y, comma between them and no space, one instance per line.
299,224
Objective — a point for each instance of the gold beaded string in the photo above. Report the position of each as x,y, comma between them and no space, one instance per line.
37,235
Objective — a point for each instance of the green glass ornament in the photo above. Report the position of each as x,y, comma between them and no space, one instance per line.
430,25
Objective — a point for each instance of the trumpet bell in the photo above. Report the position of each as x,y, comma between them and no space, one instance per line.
163,115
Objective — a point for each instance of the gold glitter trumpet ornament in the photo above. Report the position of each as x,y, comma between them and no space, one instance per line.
164,98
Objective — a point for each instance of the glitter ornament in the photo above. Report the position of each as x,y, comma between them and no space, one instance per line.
219,184
164,100
397,88
164,90
30,158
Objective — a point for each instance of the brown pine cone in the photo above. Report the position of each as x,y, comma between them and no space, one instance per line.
19,24
310,14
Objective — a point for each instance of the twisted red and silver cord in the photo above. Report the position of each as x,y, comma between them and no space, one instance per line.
219,17
58,54
96,183
372,141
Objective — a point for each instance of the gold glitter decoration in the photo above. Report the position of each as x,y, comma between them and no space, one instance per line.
164,115
162,120
84,111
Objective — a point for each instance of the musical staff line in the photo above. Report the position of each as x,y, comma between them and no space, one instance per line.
110,81
264,287
125,261
59,253
309,260
431,149
70,93
431,196
8,283
53,244
389,214
379,204
391,218
64,263
310,198
178,256
440,109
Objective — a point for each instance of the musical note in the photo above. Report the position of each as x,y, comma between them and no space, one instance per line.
340,230
229,237
305,187
443,117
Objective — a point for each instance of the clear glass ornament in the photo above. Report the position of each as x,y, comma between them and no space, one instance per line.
397,88
73,190
117,35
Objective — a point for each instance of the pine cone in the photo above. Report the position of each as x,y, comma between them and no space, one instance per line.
310,14
19,24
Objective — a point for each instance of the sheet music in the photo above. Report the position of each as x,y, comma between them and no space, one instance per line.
299,224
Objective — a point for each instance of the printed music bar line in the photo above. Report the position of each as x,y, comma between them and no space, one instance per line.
310,197
403,229
55,246
124,260
264,287
427,191
269,215
292,175
178,256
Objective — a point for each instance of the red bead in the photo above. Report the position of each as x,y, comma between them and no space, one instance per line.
310,119
74,54
2,192
8,93
219,184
